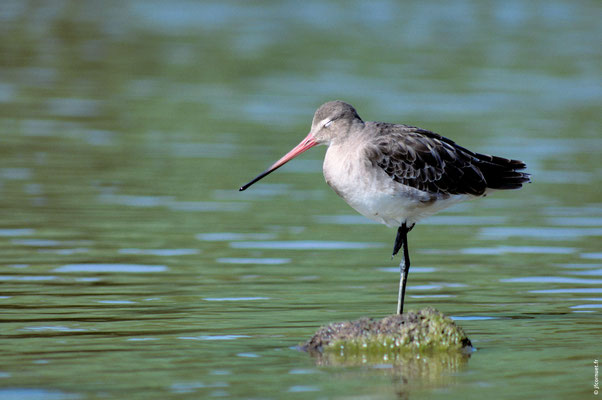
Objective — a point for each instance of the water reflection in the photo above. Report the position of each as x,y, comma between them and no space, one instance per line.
408,371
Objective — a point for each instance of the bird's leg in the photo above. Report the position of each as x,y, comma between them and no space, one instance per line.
398,242
404,265
398,238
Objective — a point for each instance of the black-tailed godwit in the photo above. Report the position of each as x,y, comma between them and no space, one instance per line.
398,174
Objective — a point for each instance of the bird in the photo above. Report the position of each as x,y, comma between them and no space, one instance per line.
398,174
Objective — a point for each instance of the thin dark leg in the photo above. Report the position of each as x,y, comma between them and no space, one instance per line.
398,240
404,265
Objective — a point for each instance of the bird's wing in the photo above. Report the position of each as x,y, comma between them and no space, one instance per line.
425,160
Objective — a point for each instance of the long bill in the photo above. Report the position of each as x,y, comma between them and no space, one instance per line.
305,144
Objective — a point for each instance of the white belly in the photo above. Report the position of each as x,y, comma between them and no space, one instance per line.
372,193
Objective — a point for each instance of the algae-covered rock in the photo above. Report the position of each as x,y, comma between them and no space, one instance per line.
425,331
417,350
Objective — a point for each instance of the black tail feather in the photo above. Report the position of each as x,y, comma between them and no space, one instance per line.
502,173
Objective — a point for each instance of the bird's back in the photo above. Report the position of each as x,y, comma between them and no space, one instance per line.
429,162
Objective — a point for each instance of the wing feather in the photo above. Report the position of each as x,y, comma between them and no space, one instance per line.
427,161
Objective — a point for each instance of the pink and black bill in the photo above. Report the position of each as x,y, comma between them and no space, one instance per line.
305,144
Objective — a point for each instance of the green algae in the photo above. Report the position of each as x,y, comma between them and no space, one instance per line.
424,331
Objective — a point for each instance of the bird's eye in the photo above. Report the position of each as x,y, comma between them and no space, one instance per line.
328,123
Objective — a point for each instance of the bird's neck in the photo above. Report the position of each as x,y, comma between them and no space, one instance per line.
349,133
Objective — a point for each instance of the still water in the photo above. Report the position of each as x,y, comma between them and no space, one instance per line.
131,267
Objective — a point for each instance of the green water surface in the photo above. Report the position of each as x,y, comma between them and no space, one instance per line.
131,267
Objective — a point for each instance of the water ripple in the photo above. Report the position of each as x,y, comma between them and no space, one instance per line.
235,298
518,249
581,211
306,245
248,355
116,302
592,256
36,394
496,233
27,278
461,220
160,252
592,272
64,252
579,266
170,203
302,389
453,220
264,261
16,232
53,329
553,279
136,268
573,290
587,306
414,269
575,221
15,174
37,242
343,219
227,236
214,337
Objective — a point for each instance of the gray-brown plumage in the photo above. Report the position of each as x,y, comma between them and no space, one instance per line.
432,163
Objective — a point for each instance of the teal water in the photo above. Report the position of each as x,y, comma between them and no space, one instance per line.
131,267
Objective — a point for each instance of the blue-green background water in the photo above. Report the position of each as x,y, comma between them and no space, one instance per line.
131,267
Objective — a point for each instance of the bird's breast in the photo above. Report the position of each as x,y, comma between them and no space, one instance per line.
371,192
362,185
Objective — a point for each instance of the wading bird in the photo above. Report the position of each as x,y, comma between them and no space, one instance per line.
398,174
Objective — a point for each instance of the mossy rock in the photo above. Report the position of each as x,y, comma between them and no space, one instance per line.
424,331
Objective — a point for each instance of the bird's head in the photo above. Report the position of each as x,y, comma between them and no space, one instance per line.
331,122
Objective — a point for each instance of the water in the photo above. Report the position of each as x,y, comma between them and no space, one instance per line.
132,268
